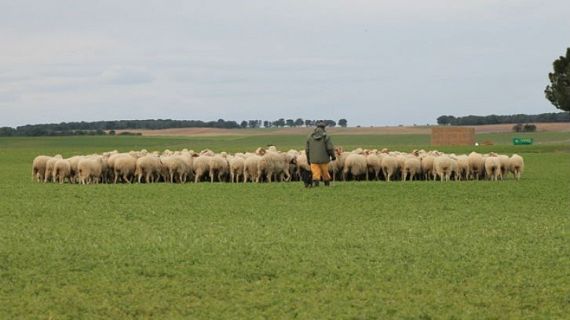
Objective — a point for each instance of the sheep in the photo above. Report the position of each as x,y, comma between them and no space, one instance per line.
270,164
454,168
188,158
427,166
516,165
443,167
237,164
48,174
505,163
201,166
292,156
61,170
356,165
374,165
39,168
476,165
493,167
124,167
274,164
148,166
251,168
412,166
303,164
175,168
336,167
462,167
90,169
113,157
219,167
74,163
389,166
207,152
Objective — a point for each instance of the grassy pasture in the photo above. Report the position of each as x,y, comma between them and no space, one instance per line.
414,250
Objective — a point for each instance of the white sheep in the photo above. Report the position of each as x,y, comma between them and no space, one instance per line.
374,165
61,170
493,167
505,164
476,165
412,167
443,167
219,167
90,169
124,167
237,164
516,165
251,168
389,167
149,167
39,168
427,166
355,165
48,175
274,164
462,167
201,166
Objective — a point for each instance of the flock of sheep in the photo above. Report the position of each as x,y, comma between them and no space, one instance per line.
267,165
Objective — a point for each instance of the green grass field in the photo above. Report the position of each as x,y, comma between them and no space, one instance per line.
358,250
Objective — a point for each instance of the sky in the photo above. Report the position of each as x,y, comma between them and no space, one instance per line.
373,62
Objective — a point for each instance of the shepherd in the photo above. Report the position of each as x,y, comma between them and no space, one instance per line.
320,151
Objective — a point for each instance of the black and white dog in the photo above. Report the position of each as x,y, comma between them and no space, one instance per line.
306,177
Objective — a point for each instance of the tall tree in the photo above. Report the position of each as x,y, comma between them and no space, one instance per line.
558,92
243,124
290,123
299,122
279,123
343,123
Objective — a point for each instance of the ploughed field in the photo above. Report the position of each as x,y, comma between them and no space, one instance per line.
422,249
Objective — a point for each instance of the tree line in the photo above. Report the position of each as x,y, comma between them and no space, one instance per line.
109,127
472,120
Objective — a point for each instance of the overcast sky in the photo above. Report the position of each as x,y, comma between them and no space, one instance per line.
373,62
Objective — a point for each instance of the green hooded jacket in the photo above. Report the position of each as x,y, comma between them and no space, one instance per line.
319,147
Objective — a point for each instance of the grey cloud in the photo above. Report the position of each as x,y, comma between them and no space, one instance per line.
8,97
372,61
120,75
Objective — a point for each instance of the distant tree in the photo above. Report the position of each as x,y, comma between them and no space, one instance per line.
299,122
307,123
558,91
7,131
267,124
330,123
254,123
343,123
290,123
445,120
243,124
279,123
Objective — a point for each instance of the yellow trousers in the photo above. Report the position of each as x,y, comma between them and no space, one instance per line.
320,170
